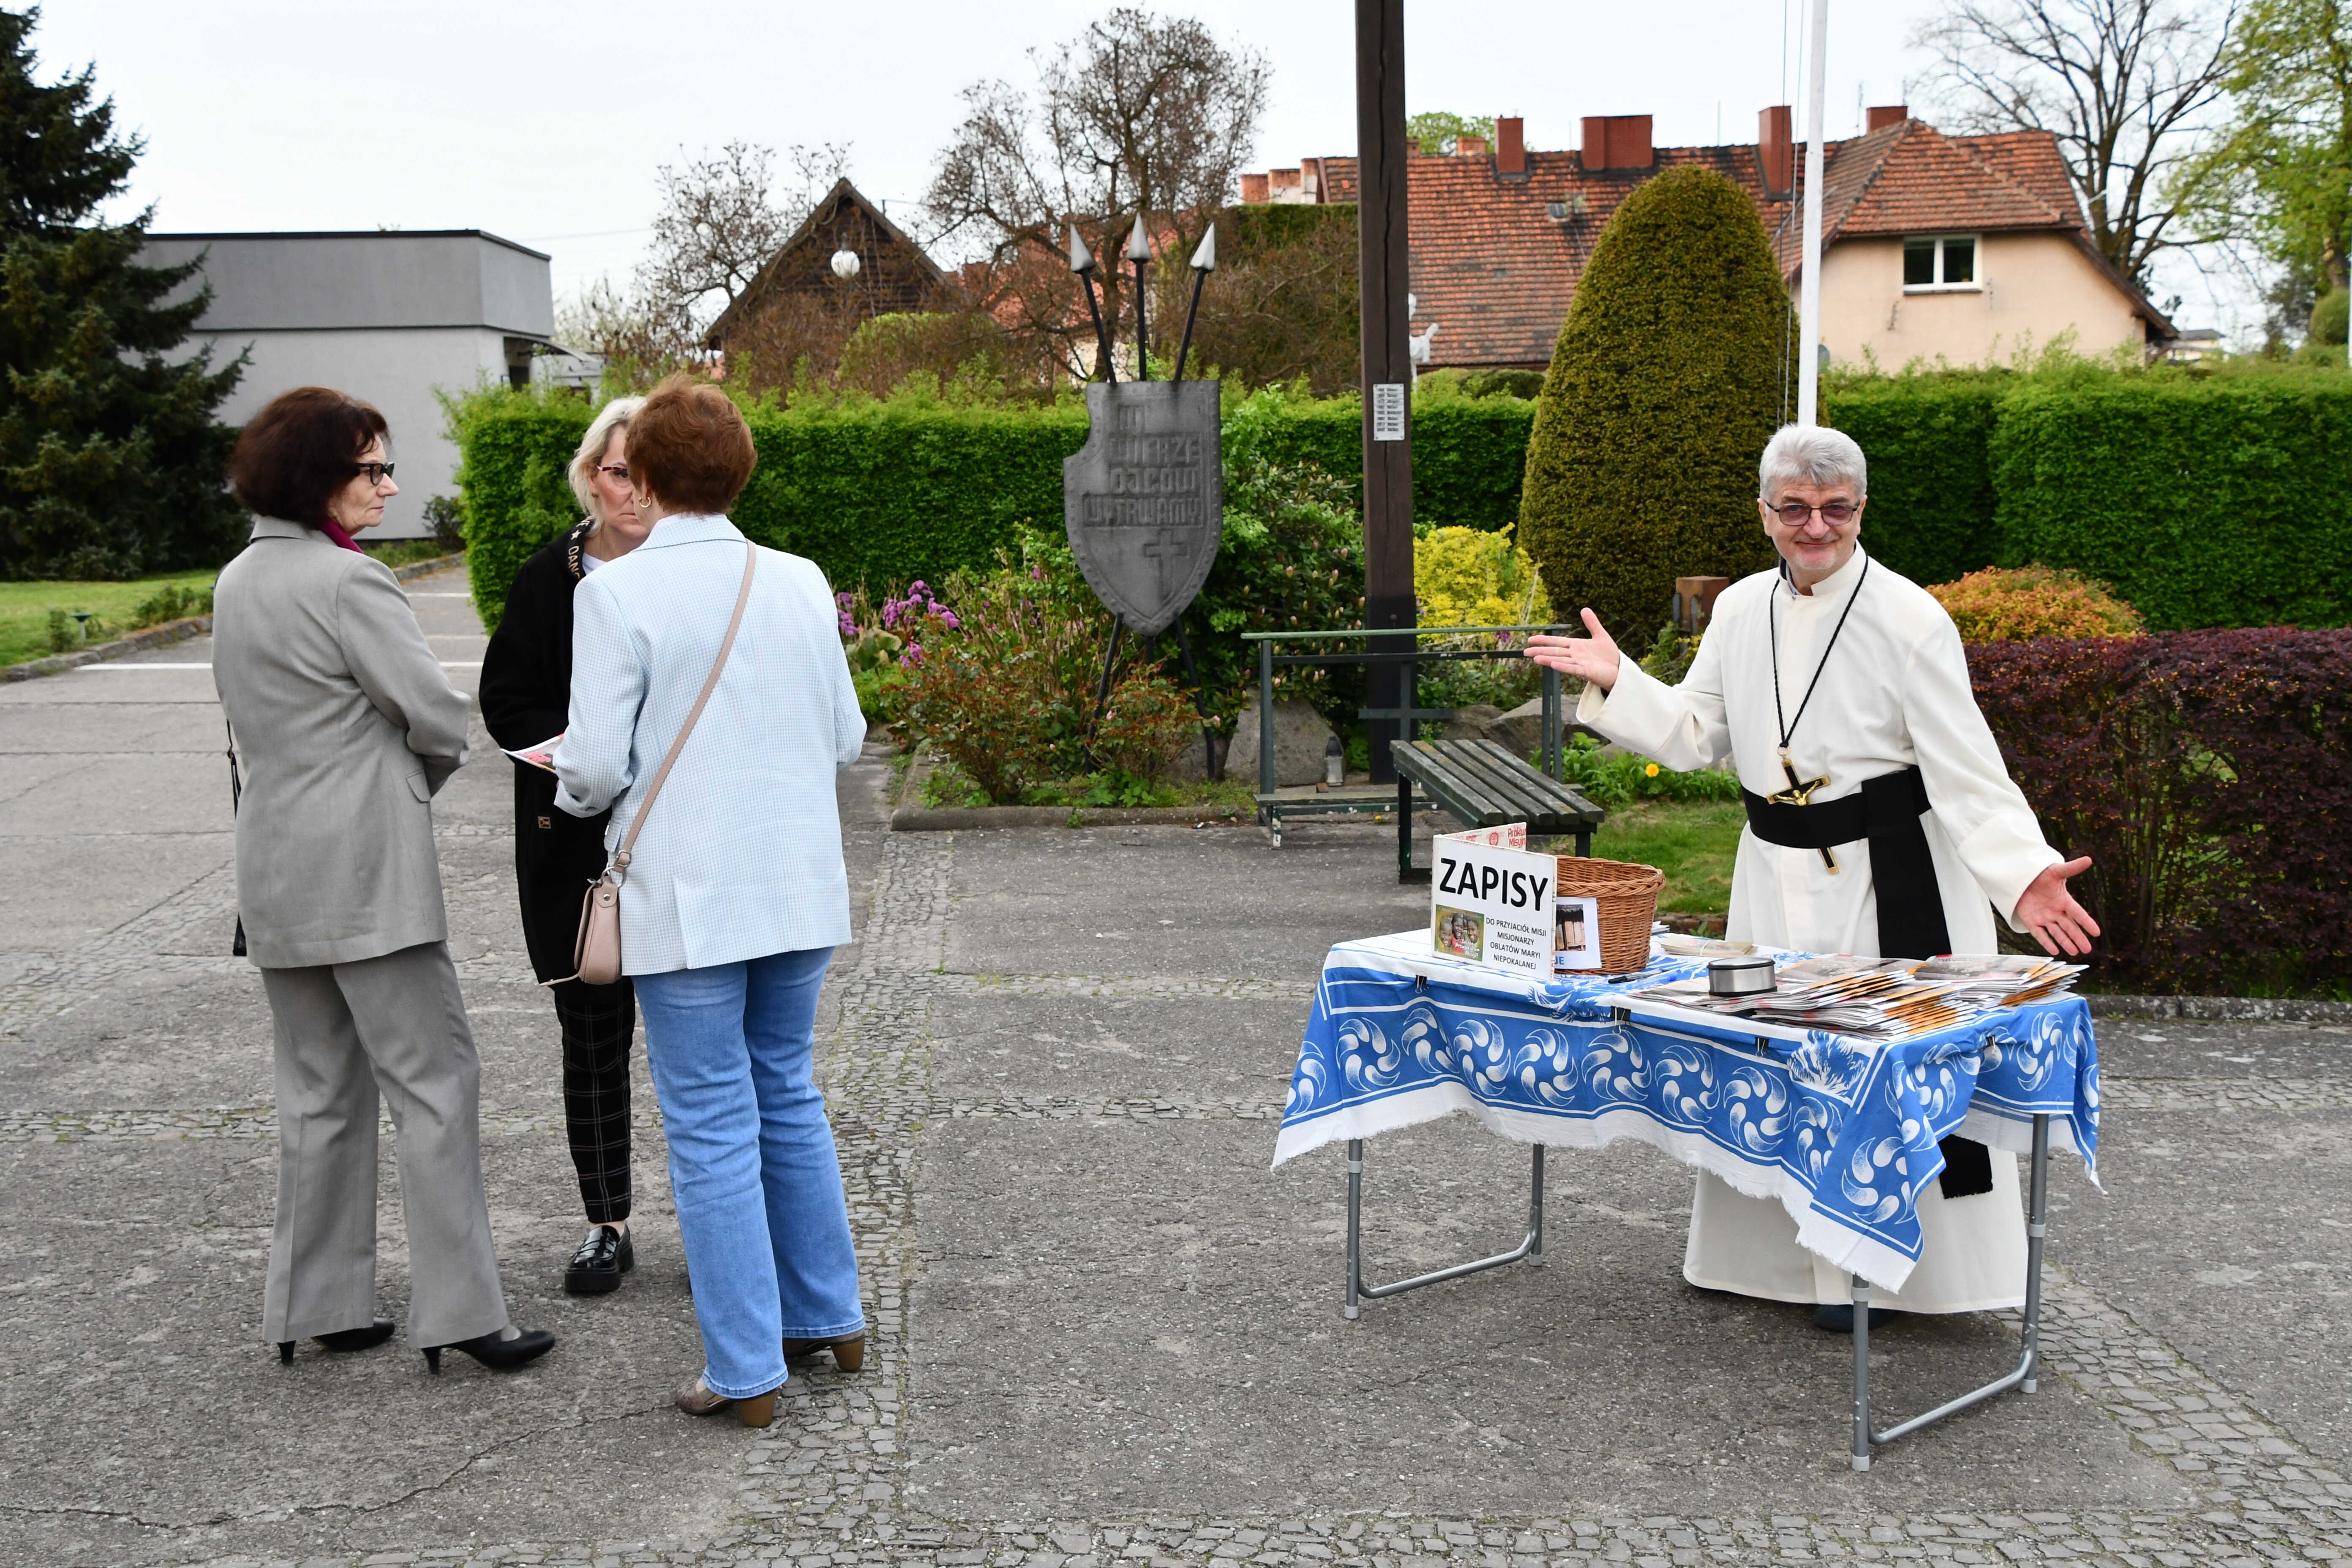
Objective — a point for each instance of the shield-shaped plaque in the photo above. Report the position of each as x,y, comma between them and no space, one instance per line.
1144,498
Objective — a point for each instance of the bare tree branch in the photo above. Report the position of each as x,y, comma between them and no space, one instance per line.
2124,85
721,220
1138,114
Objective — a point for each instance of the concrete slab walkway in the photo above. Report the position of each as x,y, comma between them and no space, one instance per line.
1105,1330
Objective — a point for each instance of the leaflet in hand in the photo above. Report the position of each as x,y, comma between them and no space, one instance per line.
540,756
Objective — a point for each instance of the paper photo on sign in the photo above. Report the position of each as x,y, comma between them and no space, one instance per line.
1491,904
1576,932
540,756
1459,933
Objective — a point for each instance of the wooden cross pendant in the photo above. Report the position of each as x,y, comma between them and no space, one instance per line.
1801,794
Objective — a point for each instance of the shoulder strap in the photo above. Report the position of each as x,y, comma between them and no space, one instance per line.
726,647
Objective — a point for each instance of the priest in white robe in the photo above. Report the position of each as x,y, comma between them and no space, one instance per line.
1881,822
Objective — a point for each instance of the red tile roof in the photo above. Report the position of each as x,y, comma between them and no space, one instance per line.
1495,261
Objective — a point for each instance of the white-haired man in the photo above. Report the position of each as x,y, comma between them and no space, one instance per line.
1881,821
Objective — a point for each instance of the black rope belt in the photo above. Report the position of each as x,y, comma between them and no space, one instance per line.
1886,812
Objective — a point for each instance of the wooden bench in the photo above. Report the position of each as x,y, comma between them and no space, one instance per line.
1483,786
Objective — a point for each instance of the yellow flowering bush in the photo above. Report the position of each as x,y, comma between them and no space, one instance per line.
1475,577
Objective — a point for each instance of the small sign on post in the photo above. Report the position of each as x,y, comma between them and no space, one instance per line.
1388,411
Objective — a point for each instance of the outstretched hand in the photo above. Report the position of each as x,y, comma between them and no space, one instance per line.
2051,913
1594,658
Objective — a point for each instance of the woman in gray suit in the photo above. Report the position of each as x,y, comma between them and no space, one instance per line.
345,728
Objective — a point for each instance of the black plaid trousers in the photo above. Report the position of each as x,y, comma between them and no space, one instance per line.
598,1021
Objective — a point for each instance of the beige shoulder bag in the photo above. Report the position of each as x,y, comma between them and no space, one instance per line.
597,952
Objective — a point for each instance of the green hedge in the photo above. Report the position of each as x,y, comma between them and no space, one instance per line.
887,492
2205,501
2225,503
1932,508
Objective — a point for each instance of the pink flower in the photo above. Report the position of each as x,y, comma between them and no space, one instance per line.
949,617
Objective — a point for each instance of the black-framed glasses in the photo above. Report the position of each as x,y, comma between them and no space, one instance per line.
618,470
1836,514
376,472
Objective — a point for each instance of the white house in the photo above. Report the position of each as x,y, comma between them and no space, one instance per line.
394,317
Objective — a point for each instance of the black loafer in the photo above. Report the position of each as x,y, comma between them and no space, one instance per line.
601,1262
1839,1318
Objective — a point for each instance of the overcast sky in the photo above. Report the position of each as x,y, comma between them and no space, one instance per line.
544,123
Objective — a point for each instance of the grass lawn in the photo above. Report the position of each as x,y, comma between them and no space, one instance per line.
1693,842
25,608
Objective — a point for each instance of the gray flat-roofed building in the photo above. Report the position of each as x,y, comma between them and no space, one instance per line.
394,317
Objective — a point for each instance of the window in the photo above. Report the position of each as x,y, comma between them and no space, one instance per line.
1946,261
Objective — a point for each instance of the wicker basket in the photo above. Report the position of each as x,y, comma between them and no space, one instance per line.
1627,897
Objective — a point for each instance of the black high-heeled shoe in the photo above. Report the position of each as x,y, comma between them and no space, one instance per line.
498,1354
366,1339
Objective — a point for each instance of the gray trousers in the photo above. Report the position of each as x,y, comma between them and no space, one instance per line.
345,1031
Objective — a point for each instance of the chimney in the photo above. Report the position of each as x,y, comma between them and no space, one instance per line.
1311,178
1776,152
1883,115
1470,147
1511,148
1253,190
1617,141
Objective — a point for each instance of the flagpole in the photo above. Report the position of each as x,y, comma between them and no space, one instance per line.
1809,331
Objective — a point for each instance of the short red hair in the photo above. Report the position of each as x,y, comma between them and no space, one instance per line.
689,448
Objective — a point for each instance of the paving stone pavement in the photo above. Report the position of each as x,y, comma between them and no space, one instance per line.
908,1060
823,1490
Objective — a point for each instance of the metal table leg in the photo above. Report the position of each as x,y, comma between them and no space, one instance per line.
2025,1375
1530,1248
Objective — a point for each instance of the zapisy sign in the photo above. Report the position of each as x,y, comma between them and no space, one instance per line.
1144,499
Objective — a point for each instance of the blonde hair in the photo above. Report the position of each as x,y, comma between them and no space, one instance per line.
613,416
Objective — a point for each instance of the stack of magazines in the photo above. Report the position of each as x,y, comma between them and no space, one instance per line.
1883,998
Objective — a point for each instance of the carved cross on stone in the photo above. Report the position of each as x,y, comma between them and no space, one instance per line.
1167,548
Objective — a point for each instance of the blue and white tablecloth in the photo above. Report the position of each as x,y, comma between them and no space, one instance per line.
1841,1130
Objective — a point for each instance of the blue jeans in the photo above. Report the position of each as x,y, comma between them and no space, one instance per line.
752,1162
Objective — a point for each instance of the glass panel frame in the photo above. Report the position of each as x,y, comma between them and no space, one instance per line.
1940,257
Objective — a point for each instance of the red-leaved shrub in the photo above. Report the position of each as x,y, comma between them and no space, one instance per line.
1144,725
2209,777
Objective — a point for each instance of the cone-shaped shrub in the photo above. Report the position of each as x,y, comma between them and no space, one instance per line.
1666,382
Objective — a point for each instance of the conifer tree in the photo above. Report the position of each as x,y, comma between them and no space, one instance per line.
112,461
1669,377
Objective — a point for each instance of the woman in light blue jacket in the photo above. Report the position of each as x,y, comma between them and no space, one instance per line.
735,894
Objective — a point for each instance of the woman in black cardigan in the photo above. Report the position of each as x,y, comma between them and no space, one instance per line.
526,694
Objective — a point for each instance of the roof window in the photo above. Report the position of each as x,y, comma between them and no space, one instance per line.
1939,262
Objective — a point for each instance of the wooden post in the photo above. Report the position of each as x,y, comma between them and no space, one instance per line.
1383,275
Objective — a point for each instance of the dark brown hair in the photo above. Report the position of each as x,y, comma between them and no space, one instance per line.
299,451
688,447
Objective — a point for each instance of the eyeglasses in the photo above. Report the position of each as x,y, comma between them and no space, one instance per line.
1836,514
376,472
618,470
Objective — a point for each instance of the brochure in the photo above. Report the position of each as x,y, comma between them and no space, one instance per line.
540,756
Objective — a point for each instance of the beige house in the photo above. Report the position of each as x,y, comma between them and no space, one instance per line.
1964,249
1960,248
